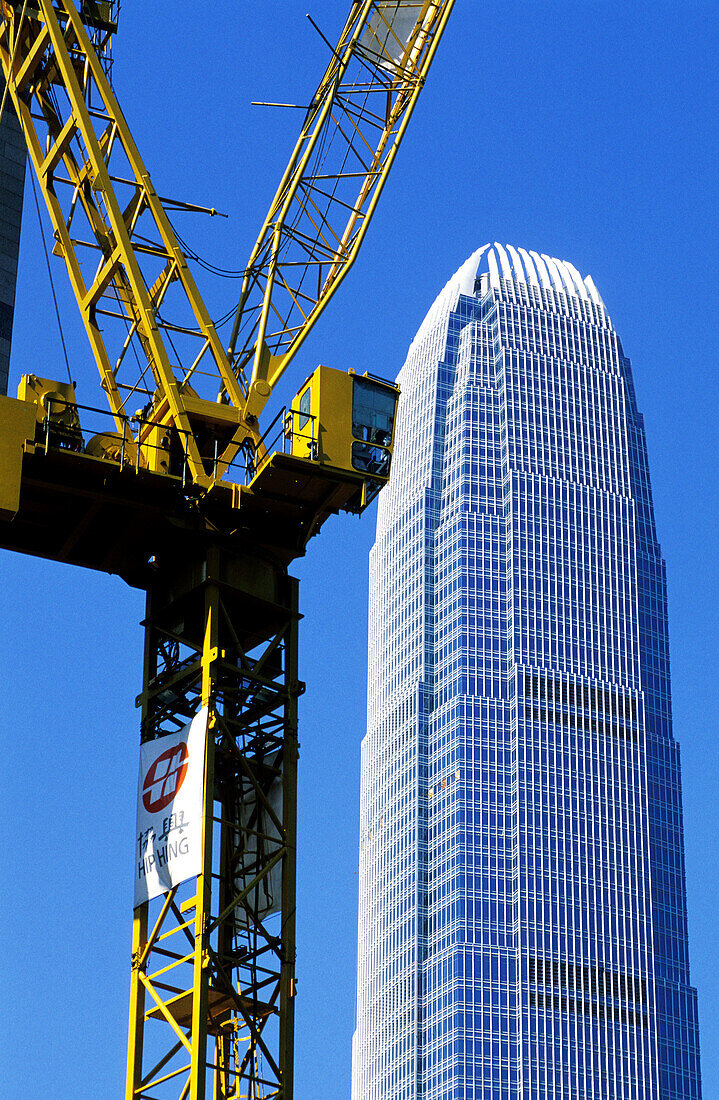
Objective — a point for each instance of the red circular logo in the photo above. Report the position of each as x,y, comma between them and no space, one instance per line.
165,777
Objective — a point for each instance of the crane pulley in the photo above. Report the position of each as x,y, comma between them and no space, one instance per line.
151,334
187,495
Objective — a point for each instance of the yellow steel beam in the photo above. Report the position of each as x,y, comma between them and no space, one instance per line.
322,209
56,71
310,238
212,985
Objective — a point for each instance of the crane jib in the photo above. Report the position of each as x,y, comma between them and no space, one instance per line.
171,474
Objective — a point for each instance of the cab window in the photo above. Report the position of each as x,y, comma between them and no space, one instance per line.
305,405
373,408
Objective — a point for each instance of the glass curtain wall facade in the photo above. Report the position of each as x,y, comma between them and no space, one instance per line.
522,914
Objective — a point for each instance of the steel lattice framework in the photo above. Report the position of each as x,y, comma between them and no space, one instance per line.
151,334
212,995
212,1000
324,203
124,261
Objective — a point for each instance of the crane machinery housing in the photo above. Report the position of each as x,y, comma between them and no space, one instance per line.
183,489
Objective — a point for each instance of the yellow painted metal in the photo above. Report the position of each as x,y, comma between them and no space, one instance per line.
137,1003
17,425
54,402
321,417
212,989
98,192
322,209
203,887
37,390
322,421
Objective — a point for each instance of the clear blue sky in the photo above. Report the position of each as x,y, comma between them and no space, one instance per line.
588,131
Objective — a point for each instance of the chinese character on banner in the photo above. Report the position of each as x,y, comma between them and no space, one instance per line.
168,848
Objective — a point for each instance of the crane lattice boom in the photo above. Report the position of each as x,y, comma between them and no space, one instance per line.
323,206
161,495
156,346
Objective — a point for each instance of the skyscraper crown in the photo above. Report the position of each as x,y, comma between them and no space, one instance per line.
522,928
506,262
493,263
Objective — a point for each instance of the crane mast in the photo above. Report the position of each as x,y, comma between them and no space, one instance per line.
177,487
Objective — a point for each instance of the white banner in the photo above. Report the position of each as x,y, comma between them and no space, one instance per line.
168,849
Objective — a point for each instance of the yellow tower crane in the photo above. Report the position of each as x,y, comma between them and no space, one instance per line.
180,489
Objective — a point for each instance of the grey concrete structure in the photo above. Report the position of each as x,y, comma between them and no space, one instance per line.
12,182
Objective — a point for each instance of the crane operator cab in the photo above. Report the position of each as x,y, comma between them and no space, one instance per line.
346,421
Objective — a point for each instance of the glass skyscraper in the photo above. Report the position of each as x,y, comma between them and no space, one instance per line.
522,921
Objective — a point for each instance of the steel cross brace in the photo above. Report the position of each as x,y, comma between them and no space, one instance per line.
212,988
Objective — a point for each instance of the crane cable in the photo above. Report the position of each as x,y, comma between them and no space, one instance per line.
321,153
37,204
213,269
12,59
52,281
